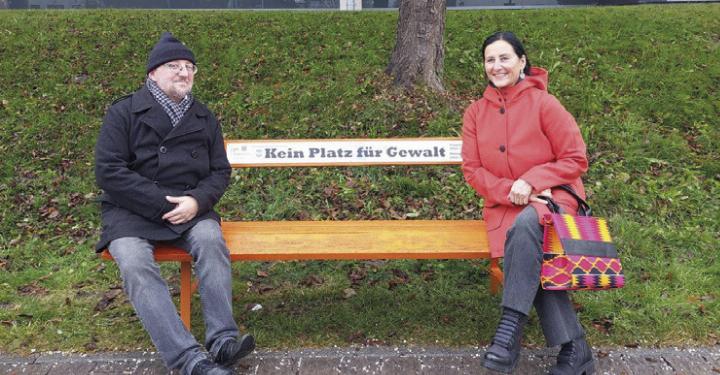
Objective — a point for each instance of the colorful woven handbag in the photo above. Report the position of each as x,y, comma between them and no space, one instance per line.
578,252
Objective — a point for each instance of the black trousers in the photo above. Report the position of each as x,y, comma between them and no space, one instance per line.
523,256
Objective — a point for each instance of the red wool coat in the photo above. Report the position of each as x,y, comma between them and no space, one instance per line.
520,132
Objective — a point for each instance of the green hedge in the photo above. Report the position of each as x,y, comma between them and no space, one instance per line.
642,82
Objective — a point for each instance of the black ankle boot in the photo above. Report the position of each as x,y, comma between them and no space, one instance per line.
503,353
235,349
206,367
575,358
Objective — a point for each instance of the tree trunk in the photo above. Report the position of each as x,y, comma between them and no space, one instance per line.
419,48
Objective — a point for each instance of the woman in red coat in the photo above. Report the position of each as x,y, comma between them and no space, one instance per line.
519,142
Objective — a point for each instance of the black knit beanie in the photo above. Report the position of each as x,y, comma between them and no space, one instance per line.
168,48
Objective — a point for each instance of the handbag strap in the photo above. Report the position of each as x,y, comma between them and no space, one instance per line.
583,206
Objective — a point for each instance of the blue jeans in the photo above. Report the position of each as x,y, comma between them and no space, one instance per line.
521,290
151,299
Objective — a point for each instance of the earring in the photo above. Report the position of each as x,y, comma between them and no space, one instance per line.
522,75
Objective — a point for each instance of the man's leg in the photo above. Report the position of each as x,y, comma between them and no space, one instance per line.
205,243
151,299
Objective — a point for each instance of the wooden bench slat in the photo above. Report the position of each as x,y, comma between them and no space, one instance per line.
381,239
328,240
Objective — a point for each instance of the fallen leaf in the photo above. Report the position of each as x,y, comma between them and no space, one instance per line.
357,337
92,344
356,275
32,289
331,191
714,338
65,164
262,273
69,251
603,325
392,284
349,293
261,288
80,78
82,294
75,199
401,278
107,299
428,275
400,274
312,280
49,212
28,174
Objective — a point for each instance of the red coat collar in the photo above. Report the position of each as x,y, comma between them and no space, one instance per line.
538,78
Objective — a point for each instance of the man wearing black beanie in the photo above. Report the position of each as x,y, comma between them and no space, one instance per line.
160,160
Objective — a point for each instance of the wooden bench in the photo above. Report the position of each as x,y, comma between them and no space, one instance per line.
341,240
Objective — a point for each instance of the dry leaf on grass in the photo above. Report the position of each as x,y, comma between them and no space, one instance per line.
107,299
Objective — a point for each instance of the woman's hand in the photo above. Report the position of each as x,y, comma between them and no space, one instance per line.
520,192
544,193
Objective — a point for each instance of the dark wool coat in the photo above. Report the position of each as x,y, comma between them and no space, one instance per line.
140,158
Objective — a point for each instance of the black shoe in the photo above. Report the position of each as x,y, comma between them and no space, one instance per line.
575,358
503,353
233,350
207,367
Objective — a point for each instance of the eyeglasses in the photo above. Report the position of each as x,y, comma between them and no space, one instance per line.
176,68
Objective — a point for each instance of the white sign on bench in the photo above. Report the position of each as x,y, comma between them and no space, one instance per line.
344,152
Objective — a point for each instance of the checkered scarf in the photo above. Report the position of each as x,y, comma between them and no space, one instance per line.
174,110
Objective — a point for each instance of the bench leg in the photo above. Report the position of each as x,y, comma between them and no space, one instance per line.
186,291
496,276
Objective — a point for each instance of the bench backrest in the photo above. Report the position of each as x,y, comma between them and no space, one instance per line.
343,152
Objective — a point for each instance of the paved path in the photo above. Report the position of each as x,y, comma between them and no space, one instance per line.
375,360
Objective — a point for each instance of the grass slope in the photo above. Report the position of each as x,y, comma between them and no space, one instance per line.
642,82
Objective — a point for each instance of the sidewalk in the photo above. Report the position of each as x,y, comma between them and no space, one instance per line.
375,360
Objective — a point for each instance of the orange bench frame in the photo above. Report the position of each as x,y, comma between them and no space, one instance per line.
340,240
